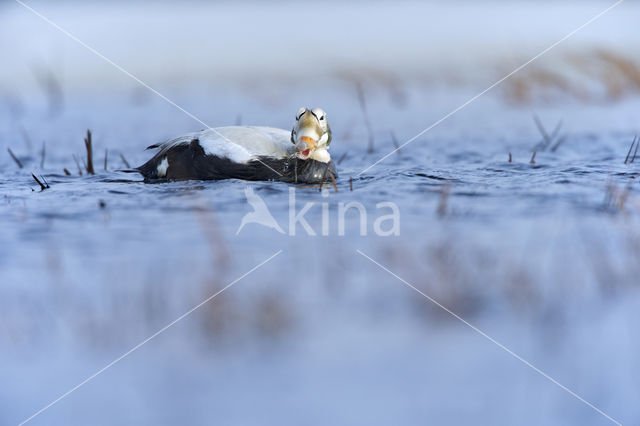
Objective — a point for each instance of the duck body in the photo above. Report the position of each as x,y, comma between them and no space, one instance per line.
235,152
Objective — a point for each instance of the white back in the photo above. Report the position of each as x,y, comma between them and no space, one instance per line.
239,143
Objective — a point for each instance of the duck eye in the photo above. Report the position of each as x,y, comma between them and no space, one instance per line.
321,118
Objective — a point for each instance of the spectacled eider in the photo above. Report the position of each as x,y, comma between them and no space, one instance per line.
247,152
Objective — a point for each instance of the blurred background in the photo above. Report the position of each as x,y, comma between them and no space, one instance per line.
519,213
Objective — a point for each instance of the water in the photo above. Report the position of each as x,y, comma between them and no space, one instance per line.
541,257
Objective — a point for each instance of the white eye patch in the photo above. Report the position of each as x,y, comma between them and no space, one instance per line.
319,112
300,113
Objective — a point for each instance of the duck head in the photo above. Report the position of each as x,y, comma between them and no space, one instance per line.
311,135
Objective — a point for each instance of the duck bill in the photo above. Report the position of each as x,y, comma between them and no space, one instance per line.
305,147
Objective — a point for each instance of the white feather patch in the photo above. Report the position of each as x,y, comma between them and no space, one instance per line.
225,149
162,167
321,155
244,143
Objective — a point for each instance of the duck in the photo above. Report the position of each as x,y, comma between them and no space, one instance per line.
252,153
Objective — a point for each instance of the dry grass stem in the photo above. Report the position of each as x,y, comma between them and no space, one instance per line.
630,149
124,160
89,146
367,122
14,158
77,164
43,184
